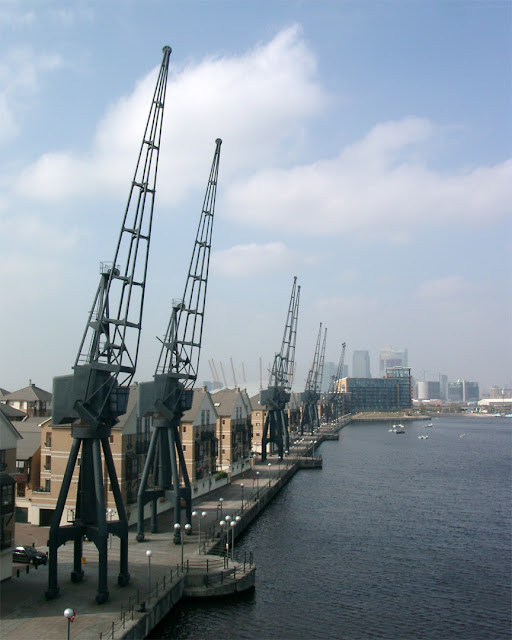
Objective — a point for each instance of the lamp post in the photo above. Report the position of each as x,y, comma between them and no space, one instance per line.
237,520
313,452
258,483
223,524
242,486
232,524
70,615
195,514
149,553
177,529
221,500
269,466
110,512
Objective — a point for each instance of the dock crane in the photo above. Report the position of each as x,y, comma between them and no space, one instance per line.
170,393
311,395
277,394
332,393
96,393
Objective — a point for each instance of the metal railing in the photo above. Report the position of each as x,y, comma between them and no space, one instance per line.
209,566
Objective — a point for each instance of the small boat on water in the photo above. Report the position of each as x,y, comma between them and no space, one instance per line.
428,425
422,437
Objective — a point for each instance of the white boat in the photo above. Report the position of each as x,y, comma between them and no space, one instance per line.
422,437
428,425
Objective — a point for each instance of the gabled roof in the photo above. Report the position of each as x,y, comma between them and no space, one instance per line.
255,402
11,412
225,401
247,401
30,429
4,392
5,423
197,400
29,394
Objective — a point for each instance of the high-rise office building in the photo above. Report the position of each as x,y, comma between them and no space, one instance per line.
361,365
391,357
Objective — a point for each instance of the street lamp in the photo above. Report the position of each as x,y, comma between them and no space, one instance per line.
223,524
221,500
70,615
177,529
195,514
233,525
149,553
269,465
313,453
258,482
110,512
238,519
242,486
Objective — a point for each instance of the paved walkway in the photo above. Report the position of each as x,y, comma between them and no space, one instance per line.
27,615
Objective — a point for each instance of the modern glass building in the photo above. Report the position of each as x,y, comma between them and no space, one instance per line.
361,364
392,393
392,357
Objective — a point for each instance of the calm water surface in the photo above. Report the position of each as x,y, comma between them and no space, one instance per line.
395,538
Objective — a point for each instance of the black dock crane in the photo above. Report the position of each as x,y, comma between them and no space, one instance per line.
311,395
332,400
96,393
277,394
169,395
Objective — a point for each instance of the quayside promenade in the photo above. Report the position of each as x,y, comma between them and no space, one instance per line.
194,569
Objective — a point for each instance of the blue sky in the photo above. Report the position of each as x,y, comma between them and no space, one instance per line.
366,150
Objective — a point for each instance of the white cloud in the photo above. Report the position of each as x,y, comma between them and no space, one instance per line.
445,289
247,260
255,102
32,252
21,70
378,185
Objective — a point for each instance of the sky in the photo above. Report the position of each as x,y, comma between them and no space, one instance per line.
367,150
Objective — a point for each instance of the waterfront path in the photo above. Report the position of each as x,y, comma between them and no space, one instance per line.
27,615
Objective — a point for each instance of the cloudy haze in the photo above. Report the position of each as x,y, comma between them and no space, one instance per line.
355,155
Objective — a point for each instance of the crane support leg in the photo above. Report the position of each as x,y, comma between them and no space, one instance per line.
56,538
119,528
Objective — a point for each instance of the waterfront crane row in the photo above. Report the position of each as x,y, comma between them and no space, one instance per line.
95,395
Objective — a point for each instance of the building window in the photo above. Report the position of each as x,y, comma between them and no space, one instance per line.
223,436
20,490
8,497
184,428
47,485
111,439
3,464
48,439
48,464
184,447
20,465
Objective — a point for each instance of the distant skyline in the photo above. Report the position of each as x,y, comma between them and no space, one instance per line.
366,150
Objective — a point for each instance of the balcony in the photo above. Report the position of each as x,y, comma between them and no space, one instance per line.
141,447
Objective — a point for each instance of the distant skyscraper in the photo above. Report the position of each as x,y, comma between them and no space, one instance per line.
361,365
328,374
390,357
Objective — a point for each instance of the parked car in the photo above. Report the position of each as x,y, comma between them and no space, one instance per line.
30,555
